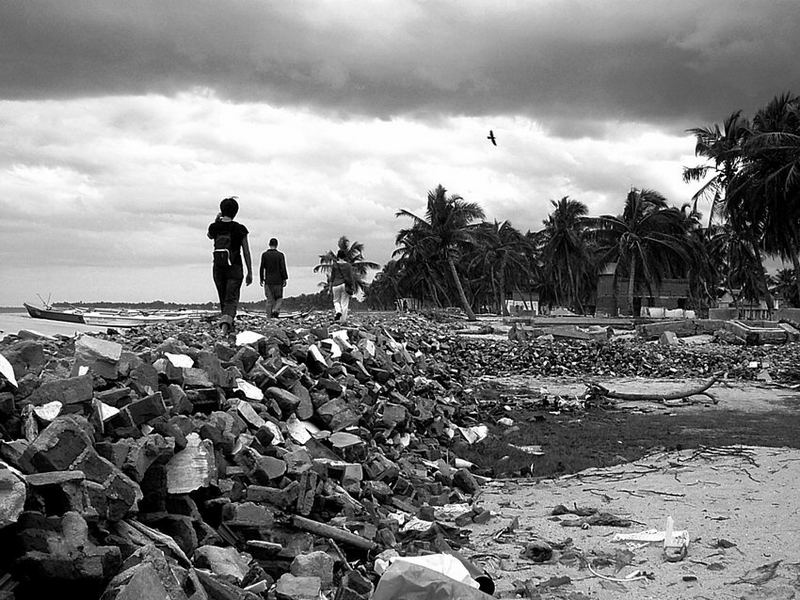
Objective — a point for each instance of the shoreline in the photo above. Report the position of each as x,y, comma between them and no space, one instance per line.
12,323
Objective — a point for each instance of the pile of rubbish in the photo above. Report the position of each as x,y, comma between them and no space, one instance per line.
290,462
626,357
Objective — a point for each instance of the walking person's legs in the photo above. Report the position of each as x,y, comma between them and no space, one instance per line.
270,299
220,282
278,300
275,295
230,305
345,304
338,292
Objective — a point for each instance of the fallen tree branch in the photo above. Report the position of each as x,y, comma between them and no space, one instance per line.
661,398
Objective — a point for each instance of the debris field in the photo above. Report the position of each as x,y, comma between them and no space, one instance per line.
287,462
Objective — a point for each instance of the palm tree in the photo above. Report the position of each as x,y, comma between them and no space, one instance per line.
445,232
783,282
723,146
735,252
705,268
422,276
564,250
501,255
648,240
765,193
355,256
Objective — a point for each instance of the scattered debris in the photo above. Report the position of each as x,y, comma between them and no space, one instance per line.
281,463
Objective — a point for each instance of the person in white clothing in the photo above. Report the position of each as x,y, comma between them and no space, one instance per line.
342,286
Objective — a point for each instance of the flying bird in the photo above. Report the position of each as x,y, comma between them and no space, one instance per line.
491,137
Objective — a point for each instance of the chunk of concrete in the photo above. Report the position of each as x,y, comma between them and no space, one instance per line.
72,390
226,562
668,338
314,564
145,575
290,587
12,494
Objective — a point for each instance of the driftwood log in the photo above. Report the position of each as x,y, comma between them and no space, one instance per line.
698,390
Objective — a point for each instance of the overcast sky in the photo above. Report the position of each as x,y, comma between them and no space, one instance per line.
124,123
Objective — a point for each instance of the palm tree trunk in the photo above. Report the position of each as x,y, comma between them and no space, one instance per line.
502,297
765,284
631,284
462,296
494,287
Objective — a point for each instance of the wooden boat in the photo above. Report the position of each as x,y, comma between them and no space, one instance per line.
132,319
68,315
113,318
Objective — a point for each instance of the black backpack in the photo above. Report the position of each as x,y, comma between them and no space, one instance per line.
223,243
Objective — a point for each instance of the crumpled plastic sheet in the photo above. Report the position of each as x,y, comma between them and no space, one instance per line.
410,581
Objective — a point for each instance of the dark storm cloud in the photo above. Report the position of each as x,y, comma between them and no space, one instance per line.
554,61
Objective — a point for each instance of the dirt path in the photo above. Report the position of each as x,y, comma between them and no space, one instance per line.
746,496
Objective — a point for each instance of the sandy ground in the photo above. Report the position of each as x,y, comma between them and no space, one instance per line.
744,495
747,396
14,322
747,496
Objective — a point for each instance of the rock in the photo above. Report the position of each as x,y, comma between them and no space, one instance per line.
285,399
196,377
290,587
25,357
314,564
248,514
101,356
226,562
394,414
337,415
466,481
12,494
281,498
143,452
65,445
668,338
59,549
146,409
57,492
249,414
146,575
67,391
354,586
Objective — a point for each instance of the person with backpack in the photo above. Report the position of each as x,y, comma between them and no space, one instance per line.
342,285
273,276
230,243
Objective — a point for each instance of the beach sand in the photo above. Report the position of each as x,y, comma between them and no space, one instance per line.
11,323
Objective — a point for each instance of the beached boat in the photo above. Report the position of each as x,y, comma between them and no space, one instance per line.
113,318
104,319
68,315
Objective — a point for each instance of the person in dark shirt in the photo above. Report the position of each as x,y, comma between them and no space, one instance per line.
230,243
273,277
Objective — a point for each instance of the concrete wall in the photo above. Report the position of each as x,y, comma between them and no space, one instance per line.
612,300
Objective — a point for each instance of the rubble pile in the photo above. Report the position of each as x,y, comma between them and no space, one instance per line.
165,462
468,357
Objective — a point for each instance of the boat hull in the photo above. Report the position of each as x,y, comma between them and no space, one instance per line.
54,315
102,320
